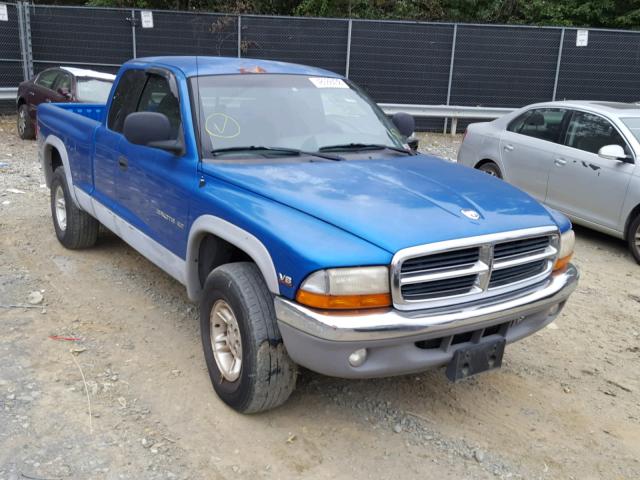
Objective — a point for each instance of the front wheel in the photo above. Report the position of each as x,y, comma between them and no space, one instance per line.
633,238
490,168
248,364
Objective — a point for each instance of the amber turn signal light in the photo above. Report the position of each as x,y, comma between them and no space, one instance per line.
562,263
343,302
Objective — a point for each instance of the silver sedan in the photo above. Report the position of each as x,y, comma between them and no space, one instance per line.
582,158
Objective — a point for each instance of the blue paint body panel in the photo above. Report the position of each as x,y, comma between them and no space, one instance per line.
308,215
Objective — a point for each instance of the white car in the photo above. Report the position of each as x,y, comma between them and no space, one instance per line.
579,157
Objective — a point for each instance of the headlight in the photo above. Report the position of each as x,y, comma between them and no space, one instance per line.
346,288
567,242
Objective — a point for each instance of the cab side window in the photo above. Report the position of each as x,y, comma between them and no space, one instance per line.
47,78
157,97
125,98
542,123
63,82
590,133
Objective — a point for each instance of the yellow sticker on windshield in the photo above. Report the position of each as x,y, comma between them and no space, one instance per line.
221,125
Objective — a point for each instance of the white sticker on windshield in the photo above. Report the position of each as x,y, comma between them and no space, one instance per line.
4,15
326,82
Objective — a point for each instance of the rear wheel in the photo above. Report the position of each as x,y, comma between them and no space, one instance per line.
490,168
25,127
633,237
75,228
249,367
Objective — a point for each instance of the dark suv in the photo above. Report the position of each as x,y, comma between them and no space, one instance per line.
63,84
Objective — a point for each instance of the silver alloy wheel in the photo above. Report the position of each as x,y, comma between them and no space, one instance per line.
226,341
61,208
637,238
489,171
22,122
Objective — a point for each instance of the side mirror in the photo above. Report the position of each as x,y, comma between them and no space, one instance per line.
64,92
413,143
405,123
613,152
151,129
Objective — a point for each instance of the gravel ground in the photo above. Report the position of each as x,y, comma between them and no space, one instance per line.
103,377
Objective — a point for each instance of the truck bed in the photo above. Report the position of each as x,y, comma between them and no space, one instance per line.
75,125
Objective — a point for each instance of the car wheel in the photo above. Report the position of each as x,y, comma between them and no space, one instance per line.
249,367
490,168
25,127
633,237
74,228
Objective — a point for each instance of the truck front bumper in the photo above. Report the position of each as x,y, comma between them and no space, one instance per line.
401,342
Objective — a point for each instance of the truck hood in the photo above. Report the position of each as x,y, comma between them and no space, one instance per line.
393,203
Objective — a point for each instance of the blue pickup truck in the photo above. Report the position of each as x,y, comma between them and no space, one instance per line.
295,213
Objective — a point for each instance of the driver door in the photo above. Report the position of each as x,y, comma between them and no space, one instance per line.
583,184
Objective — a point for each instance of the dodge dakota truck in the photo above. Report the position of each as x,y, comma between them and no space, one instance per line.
294,212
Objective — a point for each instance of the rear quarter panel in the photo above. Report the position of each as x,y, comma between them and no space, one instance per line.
481,142
75,126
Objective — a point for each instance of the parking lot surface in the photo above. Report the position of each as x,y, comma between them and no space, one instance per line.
103,376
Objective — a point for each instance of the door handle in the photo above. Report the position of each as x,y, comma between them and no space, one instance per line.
123,163
560,162
509,148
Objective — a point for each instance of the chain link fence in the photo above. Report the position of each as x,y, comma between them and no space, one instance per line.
10,52
400,62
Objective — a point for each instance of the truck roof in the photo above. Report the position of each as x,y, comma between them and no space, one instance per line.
230,65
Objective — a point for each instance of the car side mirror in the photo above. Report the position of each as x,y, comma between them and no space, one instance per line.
151,129
64,92
613,152
405,123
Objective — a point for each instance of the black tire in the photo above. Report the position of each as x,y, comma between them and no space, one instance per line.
633,238
80,229
267,376
490,168
26,131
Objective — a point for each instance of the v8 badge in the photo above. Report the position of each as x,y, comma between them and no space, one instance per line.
285,279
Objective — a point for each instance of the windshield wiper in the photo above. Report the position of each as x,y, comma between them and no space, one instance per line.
256,148
363,146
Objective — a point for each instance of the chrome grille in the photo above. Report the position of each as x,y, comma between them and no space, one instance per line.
469,269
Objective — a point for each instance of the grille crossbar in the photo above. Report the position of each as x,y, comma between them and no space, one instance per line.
469,269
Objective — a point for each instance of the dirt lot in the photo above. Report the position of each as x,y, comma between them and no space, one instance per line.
565,405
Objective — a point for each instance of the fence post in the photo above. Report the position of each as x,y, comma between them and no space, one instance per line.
239,36
134,45
555,83
348,63
24,27
453,57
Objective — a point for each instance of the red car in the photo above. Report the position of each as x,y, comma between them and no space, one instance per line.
60,84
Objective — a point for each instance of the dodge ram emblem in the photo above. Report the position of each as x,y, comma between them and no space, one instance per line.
472,214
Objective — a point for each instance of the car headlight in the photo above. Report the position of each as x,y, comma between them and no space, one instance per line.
346,288
567,243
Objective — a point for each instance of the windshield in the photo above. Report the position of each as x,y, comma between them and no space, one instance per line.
93,90
290,111
633,124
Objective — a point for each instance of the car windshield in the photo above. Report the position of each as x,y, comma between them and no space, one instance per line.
93,90
633,124
288,111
